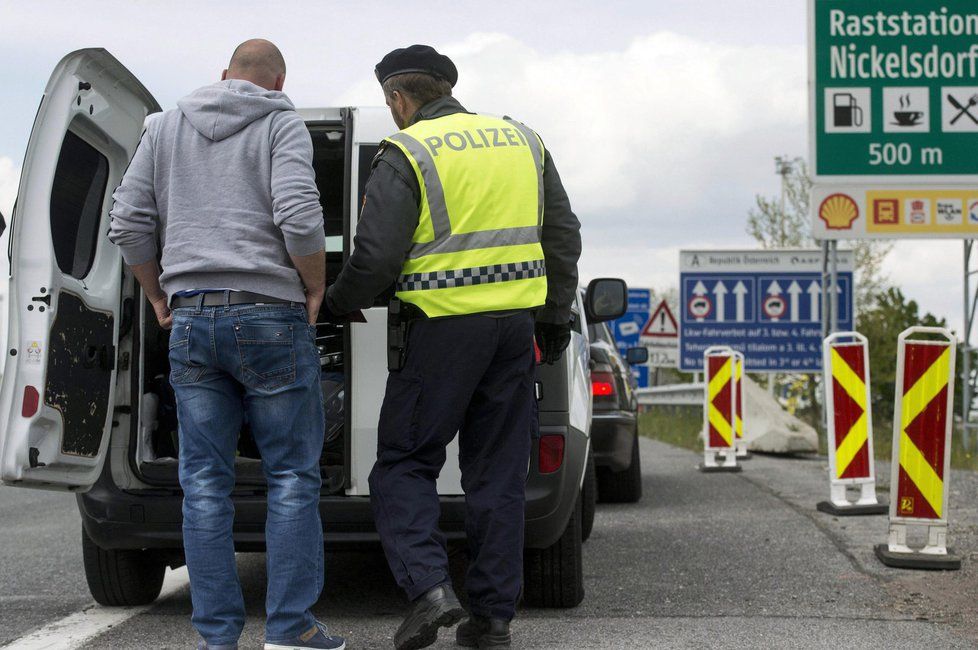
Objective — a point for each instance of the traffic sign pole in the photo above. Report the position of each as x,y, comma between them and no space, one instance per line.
719,410
848,407
920,468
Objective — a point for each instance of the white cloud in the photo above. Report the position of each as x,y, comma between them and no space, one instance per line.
659,144
9,178
663,145
930,272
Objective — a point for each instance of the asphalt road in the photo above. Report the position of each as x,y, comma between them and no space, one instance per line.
734,560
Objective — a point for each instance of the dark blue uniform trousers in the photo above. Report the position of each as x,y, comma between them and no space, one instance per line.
470,375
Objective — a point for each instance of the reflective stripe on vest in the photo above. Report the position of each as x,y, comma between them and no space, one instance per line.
477,245
469,277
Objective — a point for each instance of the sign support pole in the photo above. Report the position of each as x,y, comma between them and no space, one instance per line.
834,285
967,384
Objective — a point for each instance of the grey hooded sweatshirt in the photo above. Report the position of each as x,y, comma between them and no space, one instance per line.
225,182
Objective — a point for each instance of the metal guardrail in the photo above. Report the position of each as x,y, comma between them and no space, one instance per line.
672,395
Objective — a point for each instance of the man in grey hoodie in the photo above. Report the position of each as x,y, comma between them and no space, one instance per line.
222,192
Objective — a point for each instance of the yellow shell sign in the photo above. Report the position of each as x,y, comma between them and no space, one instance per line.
838,211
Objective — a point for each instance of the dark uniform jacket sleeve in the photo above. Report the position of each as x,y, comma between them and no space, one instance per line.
561,240
385,230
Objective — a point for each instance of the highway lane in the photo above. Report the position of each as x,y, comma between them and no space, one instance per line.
41,575
704,560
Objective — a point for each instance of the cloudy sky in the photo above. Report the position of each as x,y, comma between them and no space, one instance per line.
663,117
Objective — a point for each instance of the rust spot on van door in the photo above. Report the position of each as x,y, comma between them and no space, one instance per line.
79,373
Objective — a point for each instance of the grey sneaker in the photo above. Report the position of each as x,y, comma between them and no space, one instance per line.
202,645
318,638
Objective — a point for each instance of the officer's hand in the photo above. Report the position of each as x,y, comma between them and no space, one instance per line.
553,339
163,314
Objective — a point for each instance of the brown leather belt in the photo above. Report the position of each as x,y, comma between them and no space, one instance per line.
221,298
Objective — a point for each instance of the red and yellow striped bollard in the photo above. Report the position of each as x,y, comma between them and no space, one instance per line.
740,414
719,410
849,415
922,420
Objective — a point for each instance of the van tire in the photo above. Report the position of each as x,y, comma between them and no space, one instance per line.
589,497
553,577
122,578
624,486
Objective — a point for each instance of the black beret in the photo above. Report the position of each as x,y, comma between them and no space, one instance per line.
417,58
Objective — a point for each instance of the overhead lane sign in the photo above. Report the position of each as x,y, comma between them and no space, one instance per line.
765,304
893,106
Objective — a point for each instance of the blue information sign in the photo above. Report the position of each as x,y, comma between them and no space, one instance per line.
628,328
766,304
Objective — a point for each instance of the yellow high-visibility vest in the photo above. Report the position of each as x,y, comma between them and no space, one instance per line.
477,245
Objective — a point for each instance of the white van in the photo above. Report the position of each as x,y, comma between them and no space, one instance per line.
85,405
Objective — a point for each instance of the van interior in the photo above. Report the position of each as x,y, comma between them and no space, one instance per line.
155,444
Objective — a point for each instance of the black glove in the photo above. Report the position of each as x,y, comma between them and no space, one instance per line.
327,316
553,339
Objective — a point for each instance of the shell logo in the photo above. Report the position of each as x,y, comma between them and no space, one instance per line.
838,211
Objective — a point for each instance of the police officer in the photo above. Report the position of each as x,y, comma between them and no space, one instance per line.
465,215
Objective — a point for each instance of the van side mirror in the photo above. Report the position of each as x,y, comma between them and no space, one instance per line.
637,356
3,224
606,299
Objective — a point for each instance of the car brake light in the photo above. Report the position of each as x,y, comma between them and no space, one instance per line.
551,453
602,384
31,399
536,352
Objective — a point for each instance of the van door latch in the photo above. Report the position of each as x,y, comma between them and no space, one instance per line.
32,457
101,355
45,299
106,357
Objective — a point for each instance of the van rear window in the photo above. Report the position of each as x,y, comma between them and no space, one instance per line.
367,153
76,204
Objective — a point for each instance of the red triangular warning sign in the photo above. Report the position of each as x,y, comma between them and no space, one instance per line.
662,324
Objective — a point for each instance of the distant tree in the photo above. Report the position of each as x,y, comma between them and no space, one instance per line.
891,314
791,228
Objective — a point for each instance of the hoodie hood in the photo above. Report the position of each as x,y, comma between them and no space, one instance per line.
222,109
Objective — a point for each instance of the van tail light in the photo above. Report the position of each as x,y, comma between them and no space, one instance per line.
538,355
31,400
551,452
602,384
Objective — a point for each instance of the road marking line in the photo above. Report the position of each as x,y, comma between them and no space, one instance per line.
76,629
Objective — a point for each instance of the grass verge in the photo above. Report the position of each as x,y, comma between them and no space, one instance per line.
675,425
681,426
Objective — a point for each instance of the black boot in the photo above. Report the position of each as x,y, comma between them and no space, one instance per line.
437,608
483,633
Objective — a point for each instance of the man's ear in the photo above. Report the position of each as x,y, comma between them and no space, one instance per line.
397,101
279,82
224,75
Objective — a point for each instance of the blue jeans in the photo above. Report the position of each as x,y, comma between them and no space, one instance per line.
259,362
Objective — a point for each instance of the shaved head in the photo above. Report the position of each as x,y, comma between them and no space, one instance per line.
258,61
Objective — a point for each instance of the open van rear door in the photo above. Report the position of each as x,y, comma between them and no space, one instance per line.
58,390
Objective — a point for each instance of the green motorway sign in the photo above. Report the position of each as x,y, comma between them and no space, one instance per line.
894,89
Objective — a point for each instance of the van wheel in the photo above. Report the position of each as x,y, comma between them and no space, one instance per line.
589,496
624,486
122,578
554,576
